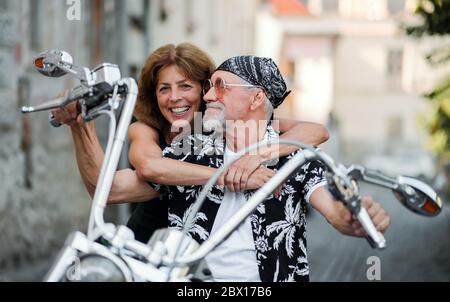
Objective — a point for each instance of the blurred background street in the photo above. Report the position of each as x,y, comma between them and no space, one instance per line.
417,250
351,64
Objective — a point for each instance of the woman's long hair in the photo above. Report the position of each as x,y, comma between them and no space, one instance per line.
194,62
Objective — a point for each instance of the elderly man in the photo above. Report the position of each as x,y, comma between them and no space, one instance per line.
271,244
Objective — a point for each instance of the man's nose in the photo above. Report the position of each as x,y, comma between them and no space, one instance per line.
210,96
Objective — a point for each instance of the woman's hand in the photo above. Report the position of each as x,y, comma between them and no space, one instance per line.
247,173
258,178
236,177
68,115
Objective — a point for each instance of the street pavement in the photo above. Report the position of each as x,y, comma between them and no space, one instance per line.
418,248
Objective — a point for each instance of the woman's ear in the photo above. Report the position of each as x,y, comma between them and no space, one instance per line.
257,100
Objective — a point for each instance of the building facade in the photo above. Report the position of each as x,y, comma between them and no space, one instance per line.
351,59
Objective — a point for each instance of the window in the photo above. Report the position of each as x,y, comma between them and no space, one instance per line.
395,128
394,68
395,60
395,6
330,6
35,24
189,17
163,14
290,72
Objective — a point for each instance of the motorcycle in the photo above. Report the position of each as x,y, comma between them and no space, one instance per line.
109,252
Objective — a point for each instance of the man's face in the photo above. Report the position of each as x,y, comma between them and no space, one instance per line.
231,104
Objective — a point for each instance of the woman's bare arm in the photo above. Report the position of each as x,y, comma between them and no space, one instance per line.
305,132
126,187
146,156
309,133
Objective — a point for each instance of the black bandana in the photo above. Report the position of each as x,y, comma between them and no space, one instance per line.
259,71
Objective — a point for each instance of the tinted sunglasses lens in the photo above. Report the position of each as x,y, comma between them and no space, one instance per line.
206,86
219,84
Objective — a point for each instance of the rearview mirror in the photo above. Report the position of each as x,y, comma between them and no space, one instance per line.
47,63
418,196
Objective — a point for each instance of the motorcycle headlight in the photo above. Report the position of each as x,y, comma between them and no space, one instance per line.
98,268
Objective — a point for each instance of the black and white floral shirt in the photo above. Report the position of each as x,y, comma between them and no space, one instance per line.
279,225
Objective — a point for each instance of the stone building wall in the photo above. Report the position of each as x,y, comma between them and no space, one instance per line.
42,198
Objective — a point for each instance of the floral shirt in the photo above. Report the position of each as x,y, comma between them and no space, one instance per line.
278,224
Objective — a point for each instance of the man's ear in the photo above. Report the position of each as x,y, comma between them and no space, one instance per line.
258,100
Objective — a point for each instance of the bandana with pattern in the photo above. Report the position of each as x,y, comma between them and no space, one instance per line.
259,71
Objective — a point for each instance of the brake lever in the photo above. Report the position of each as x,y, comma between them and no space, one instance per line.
72,95
89,115
374,177
345,189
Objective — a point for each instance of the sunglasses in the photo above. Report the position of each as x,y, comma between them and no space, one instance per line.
220,86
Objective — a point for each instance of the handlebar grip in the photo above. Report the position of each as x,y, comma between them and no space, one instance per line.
375,238
52,121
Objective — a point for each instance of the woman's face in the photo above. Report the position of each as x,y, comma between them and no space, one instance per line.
178,97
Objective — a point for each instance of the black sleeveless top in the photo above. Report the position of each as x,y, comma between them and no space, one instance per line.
151,215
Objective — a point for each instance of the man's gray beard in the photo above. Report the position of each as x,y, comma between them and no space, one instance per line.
214,124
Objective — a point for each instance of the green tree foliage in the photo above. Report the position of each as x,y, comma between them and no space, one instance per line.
435,16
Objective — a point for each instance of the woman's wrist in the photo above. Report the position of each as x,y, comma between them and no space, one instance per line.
82,127
264,155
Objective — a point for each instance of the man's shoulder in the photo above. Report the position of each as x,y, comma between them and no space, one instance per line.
313,167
